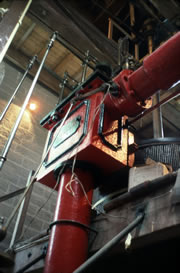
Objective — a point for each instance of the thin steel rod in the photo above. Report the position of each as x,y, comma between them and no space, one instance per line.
83,77
62,86
71,78
36,172
105,249
33,262
17,88
161,103
12,194
141,191
158,131
21,214
85,65
14,31
16,125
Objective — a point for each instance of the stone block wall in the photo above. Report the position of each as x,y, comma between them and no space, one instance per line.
25,153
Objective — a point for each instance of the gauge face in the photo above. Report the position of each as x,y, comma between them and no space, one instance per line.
2,72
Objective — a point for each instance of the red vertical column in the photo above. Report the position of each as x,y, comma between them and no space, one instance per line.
68,243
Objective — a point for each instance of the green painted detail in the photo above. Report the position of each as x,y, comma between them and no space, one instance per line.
67,131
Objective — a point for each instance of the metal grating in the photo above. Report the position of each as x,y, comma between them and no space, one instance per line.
165,153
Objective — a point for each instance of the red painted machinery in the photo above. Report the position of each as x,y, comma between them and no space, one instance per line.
93,140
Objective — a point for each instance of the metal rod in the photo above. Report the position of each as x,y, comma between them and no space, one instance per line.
5,227
71,78
119,52
105,249
62,86
161,103
17,88
85,64
141,190
14,31
12,194
14,129
158,131
43,234
36,260
21,214
157,114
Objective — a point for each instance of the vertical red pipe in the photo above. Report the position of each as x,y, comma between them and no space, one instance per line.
68,243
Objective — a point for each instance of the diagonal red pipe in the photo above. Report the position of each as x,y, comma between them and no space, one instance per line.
159,70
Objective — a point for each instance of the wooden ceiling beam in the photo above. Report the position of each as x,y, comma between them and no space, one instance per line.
47,77
102,12
74,27
66,58
26,35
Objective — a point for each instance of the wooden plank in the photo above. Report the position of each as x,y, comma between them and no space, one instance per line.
110,29
59,53
132,22
70,64
37,40
63,61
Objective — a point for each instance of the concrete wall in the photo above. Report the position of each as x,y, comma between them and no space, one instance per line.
25,153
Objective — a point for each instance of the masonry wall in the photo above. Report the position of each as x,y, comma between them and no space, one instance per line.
25,153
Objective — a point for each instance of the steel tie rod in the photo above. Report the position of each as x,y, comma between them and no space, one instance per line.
172,96
30,65
112,243
7,146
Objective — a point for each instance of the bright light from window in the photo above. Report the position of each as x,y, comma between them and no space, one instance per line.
32,106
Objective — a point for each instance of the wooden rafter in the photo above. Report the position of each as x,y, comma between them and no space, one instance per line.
47,77
102,12
63,61
26,35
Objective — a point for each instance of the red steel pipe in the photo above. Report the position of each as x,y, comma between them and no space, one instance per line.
159,70
68,243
